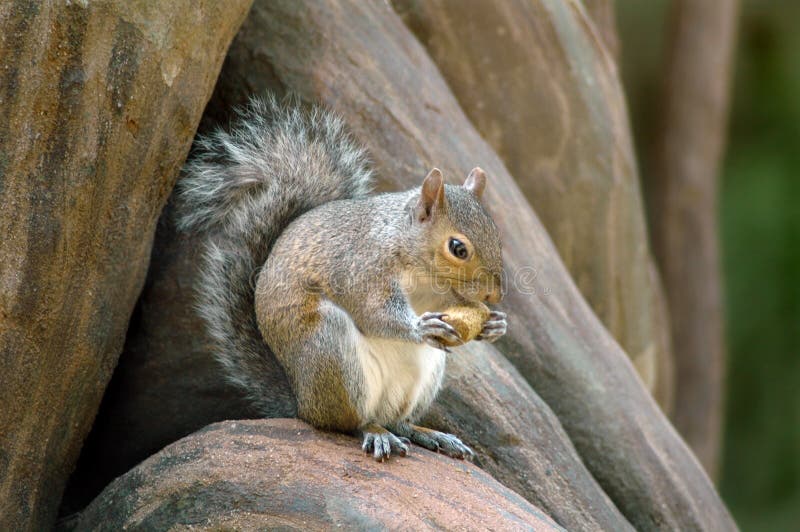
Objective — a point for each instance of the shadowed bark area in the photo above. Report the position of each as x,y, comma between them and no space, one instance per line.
98,106
542,90
282,474
683,201
167,384
386,87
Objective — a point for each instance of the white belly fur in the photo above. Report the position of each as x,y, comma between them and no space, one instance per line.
398,376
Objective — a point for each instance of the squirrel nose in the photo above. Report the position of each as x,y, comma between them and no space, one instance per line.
494,296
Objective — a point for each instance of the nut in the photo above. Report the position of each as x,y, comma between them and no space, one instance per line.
466,320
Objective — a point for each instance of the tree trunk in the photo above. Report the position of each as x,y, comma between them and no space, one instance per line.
559,122
683,197
391,94
99,104
603,16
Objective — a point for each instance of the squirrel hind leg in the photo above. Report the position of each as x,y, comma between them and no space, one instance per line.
434,440
321,362
381,443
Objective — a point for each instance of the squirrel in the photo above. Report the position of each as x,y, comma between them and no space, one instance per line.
349,286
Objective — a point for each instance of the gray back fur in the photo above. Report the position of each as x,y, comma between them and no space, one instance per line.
240,189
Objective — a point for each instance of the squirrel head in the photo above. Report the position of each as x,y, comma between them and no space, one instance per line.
462,249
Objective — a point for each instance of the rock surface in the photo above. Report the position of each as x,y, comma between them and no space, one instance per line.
99,102
284,474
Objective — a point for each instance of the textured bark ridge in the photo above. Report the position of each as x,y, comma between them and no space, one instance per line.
248,475
683,196
542,90
98,106
386,87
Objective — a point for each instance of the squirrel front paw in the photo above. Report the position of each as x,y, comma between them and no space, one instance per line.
494,328
437,332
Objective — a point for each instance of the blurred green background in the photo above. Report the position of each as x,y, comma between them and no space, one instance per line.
760,231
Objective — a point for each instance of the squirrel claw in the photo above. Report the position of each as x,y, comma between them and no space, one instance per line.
381,443
495,327
434,342
433,329
436,441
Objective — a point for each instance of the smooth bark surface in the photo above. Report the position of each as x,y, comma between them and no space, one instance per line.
98,106
282,474
683,198
541,88
386,87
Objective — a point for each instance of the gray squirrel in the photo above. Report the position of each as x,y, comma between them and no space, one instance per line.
345,289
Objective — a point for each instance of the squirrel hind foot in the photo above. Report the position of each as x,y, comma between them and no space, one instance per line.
381,443
435,441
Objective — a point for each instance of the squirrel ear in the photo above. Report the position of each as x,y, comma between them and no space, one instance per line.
476,182
431,197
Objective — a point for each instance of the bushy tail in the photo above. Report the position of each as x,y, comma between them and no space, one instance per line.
240,189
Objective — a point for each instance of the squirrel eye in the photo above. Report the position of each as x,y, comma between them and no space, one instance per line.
458,249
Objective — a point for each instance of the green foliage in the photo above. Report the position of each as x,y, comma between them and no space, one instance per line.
760,209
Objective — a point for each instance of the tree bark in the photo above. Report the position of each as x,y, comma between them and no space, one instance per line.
543,91
519,440
282,474
166,385
604,19
386,87
683,196
98,106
